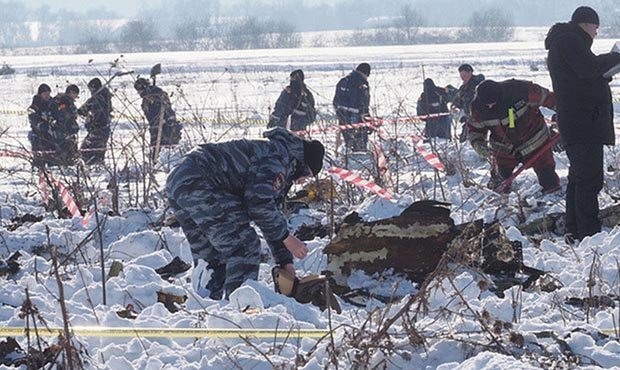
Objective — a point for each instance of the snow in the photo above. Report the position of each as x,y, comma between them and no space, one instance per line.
243,84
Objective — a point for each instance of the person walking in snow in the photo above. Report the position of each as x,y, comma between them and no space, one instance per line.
509,111
434,100
218,190
351,102
42,124
295,101
465,95
584,114
158,110
67,128
98,113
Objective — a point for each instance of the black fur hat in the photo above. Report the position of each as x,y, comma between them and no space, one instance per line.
363,68
314,152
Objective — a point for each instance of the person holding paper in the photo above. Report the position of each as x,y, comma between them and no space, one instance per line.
584,113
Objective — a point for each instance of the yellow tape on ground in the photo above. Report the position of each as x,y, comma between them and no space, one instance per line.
110,332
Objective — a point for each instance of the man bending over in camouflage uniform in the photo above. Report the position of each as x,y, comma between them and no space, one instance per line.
219,189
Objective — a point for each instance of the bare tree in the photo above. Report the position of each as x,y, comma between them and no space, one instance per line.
13,29
139,34
490,25
251,33
409,22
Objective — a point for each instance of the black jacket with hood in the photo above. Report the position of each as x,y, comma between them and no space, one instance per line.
582,94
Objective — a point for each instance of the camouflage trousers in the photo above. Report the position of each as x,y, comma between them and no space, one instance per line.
217,227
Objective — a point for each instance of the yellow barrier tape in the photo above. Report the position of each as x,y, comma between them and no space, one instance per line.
110,332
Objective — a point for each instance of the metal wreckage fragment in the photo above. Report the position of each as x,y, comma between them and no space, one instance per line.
414,242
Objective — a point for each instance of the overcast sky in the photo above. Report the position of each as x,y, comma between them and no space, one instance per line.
437,12
130,7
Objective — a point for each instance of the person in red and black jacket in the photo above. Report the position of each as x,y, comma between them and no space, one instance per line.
509,110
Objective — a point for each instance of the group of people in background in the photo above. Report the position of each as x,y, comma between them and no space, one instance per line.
54,124
502,119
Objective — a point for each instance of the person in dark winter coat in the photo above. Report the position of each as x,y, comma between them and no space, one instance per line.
159,113
434,100
67,128
509,110
584,114
98,113
295,101
351,102
42,125
465,95
219,189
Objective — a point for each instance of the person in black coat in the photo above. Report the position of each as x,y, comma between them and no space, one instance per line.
584,114
465,95
98,113
434,100
351,102
295,101
67,128
42,125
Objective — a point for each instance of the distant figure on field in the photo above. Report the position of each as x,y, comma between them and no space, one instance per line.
159,113
42,126
465,95
351,102
67,128
98,113
434,100
296,102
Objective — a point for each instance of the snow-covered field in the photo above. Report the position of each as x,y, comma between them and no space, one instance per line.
464,325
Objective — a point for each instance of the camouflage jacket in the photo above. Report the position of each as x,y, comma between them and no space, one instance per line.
260,172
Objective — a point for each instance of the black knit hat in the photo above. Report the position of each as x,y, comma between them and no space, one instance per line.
313,155
585,14
43,88
297,74
363,68
94,84
466,67
141,84
72,88
489,92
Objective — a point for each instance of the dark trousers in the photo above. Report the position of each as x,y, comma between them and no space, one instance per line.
544,168
585,181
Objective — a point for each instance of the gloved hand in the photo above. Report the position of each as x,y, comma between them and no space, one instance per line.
558,147
482,150
310,289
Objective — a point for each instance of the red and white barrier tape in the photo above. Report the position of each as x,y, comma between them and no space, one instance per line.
380,159
43,188
356,180
66,197
430,157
